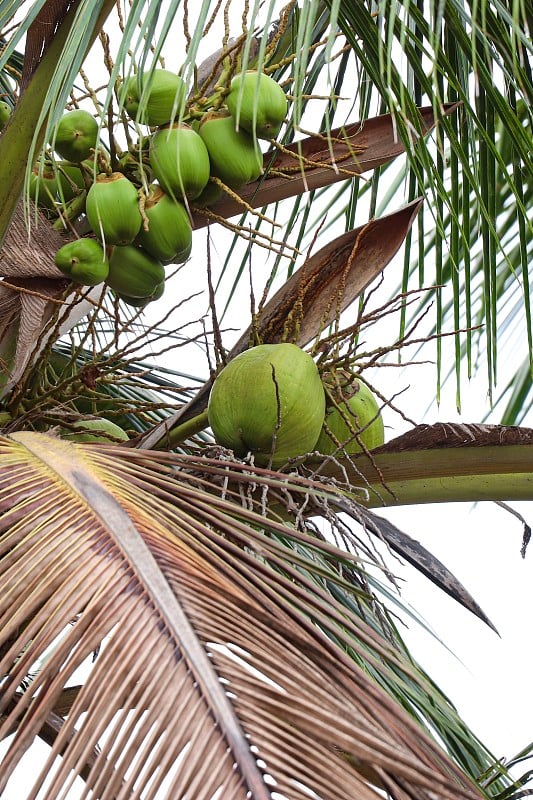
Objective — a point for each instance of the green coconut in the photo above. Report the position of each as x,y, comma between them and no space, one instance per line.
152,98
140,302
94,430
5,113
356,411
5,418
44,186
234,154
210,195
182,255
258,103
70,180
270,396
133,272
169,232
180,161
112,209
83,260
76,135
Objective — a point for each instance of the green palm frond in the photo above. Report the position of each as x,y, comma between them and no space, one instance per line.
474,235
468,193
464,265
517,396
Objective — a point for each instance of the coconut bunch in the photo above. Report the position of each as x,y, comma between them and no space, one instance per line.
137,205
271,402
133,238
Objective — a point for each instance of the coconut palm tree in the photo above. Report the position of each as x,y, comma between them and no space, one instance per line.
184,615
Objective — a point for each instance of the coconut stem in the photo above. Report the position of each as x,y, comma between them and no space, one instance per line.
70,212
184,431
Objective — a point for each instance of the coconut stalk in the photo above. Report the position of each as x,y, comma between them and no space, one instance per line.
429,464
442,463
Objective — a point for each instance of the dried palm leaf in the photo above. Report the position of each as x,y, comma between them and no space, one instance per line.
218,671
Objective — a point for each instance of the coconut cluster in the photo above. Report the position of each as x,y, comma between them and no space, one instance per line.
137,205
272,402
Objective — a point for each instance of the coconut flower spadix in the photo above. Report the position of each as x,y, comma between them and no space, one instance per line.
84,261
234,154
269,398
169,234
76,135
258,103
357,410
180,161
112,209
134,273
153,98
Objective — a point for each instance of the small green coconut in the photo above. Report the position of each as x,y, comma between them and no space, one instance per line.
268,401
44,186
76,135
357,411
5,418
70,180
234,154
94,430
258,103
134,273
180,161
141,302
152,98
112,209
5,113
210,195
169,233
83,260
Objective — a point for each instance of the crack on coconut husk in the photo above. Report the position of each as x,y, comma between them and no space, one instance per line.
451,434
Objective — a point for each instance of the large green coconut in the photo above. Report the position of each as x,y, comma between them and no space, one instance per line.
83,260
5,113
180,161
133,272
112,209
152,98
76,135
268,399
356,412
169,234
258,103
234,154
